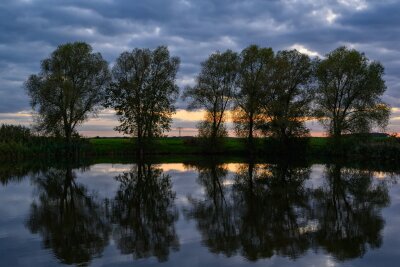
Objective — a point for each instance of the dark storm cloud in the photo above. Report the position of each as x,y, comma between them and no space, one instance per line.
31,29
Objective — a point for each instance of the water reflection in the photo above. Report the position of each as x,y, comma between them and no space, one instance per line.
256,211
70,220
262,216
274,210
16,172
215,214
144,213
270,211
348,208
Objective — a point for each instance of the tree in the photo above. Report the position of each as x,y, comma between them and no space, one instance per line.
143,92
254,77
213,92
287,104
68,89
349,90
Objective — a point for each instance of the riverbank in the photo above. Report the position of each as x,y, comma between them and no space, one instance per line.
371,148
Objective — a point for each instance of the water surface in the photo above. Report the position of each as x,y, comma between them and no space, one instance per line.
199,214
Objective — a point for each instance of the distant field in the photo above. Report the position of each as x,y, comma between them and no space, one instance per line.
386,148
184,145
167,145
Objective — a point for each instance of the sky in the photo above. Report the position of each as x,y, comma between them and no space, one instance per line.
192,29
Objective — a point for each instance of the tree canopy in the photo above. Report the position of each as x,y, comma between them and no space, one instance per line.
214,90
255,71
350,87
69,87
288,99
268,94
143,91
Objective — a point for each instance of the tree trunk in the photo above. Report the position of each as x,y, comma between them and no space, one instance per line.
284,139
68,137
250,137
140,145
214,133
337,140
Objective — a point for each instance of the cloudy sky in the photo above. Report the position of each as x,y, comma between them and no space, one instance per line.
192,29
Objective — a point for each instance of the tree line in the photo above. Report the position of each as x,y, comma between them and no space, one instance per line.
269,94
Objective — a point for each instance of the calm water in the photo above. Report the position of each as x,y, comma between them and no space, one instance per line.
203,214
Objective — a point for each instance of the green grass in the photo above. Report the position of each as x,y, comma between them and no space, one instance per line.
167,145
318,141
182,148
107,145
177,145
230,146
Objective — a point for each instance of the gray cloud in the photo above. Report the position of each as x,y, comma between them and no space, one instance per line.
31,29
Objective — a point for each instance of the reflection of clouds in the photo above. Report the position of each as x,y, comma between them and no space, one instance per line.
119,168
311,226
110,168
316,176
17,243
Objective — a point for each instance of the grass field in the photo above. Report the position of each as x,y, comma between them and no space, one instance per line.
386,148
167,145
177,145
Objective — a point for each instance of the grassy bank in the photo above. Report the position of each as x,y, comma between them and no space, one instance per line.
194,146
353,148
380,148
168,145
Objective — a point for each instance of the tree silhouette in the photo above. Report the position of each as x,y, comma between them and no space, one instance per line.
144,213
214,214
348,211
70,86
348,98
254,78
288,100
143,92
259,217
274,206
15,172
214,88
71,222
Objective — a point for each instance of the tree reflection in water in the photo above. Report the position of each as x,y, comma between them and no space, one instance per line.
144,213
260,211
259,217
270,211
274,210
215,214
71,222
348,208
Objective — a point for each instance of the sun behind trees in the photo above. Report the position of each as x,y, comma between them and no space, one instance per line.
268,94
274,94
288,98
255,71
213,92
